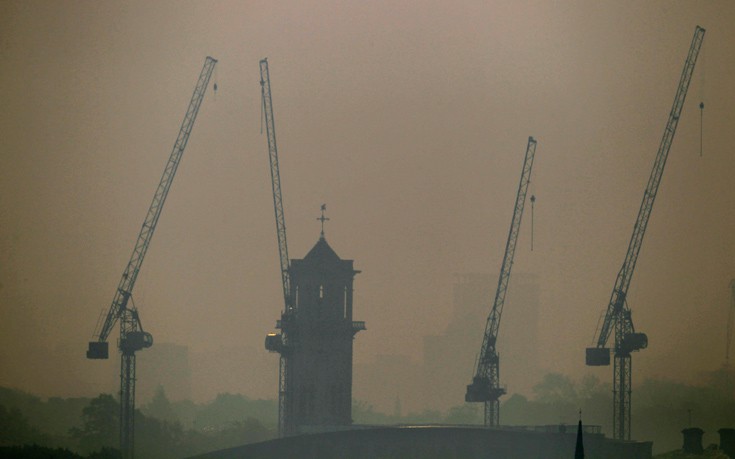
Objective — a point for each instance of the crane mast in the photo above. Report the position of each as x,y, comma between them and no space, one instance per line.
277,343
730,324
132,336
485,385
618,316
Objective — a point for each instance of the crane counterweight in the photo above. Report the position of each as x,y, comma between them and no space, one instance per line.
98,350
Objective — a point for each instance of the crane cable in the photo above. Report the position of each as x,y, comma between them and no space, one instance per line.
533,200
214,86
701,101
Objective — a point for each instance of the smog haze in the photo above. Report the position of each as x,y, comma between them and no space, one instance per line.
409,120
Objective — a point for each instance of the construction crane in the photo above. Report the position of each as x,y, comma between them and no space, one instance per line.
277,342
132,336
618,315
485,385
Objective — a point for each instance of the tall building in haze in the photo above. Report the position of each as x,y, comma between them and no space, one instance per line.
449,358
167,365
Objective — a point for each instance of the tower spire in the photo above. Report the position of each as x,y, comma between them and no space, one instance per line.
323,219
579,448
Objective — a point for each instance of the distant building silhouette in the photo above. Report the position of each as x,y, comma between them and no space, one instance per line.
449,359
405,376
232,369
167,365
440,442
692,440
438,381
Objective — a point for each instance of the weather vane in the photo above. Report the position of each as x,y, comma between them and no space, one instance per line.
323,218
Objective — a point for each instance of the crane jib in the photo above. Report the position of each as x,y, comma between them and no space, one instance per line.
127,282
649,195
266,95
493,322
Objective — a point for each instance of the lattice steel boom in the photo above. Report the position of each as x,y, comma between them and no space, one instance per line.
618,314
132,335
485,385
282,338
265,87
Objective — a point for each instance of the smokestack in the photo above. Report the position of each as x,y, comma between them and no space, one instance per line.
727,441
692,440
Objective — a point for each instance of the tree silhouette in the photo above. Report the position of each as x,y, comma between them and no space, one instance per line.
100,424
160,407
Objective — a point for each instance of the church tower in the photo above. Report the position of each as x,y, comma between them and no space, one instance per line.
318,348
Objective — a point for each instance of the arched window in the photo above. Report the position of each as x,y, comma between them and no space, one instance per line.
345,302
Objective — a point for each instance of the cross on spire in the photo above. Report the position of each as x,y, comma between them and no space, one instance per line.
323,219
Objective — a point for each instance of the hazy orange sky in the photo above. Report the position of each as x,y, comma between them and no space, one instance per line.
409,119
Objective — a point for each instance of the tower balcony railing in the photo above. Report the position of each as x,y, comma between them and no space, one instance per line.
357,325
558,428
